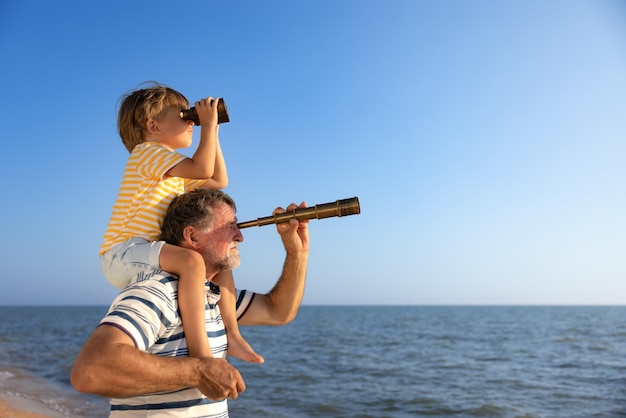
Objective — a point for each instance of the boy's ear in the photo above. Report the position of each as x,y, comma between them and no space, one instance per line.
152,126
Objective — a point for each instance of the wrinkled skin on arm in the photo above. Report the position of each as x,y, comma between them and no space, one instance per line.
109,365
280,305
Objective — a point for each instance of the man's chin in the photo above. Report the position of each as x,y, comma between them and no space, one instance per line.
229,264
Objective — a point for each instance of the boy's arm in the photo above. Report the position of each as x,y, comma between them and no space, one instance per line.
219,180
205,163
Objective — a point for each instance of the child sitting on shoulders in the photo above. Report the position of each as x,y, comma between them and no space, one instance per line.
151,128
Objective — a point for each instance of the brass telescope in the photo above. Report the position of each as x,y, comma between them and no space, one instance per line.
342,207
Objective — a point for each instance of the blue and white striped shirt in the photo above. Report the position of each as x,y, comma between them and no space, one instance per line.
147,312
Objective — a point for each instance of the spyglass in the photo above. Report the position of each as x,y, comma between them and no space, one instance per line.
192,114
342,207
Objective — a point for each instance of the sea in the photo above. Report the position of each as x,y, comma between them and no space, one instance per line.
371,361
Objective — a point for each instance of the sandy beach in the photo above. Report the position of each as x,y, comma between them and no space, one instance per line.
15,406
23,395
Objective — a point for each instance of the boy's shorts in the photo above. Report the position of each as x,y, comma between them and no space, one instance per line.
124,261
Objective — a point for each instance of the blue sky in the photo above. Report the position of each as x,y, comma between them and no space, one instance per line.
484,139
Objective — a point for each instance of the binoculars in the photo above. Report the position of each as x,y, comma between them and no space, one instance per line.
342,207
192,115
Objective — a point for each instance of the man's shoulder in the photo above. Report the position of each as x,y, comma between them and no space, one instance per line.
155,285
157,278
146,309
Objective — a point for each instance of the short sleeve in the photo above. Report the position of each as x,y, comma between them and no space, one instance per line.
154,160
142,311
244,300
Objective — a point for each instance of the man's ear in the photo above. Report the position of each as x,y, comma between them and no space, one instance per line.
190,236
153,127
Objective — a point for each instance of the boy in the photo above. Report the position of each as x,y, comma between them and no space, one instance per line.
151,128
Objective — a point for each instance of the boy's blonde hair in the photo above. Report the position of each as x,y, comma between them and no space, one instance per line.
142,105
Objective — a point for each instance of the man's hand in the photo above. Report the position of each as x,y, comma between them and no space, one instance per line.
219,380
280,306
295,233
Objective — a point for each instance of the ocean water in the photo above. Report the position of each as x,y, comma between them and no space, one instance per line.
413,361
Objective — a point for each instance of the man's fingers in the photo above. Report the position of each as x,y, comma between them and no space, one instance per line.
238,385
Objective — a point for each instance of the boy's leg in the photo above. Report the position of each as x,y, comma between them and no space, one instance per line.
237,345
189,266
123,263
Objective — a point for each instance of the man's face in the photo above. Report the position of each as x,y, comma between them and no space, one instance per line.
219,247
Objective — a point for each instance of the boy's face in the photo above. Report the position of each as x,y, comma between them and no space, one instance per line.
172,131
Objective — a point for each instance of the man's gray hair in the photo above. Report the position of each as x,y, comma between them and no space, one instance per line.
195,209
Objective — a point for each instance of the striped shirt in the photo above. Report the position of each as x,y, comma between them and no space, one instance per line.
147,312
145,194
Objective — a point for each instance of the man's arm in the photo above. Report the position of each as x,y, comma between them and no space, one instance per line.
281,304
109,365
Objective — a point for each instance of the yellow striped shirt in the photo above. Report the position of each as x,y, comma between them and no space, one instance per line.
145,195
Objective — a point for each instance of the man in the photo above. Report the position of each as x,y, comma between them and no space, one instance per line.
138,357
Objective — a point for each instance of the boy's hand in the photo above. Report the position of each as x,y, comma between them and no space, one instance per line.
207,111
